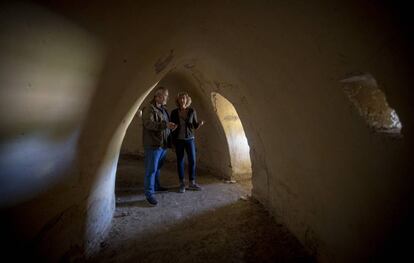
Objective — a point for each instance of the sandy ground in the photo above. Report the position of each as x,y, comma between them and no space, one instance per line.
221,223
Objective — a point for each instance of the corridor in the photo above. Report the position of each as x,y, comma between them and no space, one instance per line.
309,102
219,224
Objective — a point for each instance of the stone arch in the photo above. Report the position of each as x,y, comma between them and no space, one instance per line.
101,203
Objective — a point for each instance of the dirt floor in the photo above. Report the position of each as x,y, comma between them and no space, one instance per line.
221,223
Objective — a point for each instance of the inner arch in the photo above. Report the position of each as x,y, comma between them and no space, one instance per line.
239,149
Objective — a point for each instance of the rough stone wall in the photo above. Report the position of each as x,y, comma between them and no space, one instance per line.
371,103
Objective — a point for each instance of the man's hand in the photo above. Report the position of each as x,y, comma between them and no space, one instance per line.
171,125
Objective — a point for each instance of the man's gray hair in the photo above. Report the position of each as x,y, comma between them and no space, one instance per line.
160,91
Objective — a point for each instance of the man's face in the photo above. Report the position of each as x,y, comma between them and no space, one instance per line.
162,98
165,97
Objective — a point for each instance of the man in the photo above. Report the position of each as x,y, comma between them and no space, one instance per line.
156,134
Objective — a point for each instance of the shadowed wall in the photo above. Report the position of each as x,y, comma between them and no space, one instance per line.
73,74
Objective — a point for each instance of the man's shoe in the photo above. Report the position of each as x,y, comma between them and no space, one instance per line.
161,189
182,188
152,200
193,186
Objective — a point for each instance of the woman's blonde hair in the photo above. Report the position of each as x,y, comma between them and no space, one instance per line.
181,94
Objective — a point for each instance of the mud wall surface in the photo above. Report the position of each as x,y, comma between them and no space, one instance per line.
73,74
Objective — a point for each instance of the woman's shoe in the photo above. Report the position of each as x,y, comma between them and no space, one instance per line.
195,187
152,200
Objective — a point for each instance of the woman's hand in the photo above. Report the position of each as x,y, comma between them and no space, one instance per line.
201,123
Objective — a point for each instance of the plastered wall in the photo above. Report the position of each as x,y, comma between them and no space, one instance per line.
74,73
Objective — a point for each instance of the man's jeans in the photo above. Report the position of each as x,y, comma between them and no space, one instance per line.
154,159
189,147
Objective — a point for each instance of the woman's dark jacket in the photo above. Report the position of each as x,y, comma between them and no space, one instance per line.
191,123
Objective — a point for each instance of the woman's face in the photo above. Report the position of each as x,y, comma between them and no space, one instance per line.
182,100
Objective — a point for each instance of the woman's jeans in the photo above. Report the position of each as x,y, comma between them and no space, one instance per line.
153,161
189,147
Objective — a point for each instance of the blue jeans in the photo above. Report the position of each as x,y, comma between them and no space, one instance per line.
189,147
153,161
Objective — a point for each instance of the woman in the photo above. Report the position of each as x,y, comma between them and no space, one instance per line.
183,139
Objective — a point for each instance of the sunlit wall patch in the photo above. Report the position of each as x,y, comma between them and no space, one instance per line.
371,103
238,145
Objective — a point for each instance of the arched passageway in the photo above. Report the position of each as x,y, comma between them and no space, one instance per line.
221,146
221,220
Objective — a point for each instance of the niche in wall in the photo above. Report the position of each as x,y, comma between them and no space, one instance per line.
371,103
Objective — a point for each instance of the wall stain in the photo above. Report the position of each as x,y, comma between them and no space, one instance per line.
201,80
191,64
162,63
